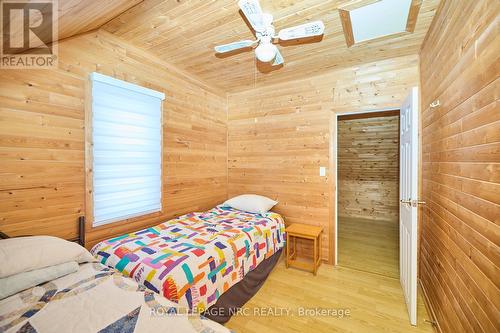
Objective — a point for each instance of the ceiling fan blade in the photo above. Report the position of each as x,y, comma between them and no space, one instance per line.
253,13
234,46
310,29
278,60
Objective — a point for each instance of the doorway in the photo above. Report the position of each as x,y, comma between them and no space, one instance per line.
368,192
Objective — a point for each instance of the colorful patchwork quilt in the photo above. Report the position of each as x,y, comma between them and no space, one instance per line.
196,257
97,299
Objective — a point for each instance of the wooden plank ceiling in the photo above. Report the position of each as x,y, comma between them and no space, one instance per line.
184,32
79,16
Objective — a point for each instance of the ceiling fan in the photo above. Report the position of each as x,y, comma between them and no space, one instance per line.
262,23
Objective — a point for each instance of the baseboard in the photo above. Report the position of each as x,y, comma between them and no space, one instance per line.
430,309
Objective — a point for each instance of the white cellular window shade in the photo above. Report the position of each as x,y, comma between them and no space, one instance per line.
126,136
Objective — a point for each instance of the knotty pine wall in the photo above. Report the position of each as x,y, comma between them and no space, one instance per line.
42,174
279,135
460,253
368,168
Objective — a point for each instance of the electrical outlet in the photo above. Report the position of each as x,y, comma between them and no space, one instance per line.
322,171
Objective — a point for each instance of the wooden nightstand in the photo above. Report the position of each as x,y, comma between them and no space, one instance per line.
304,231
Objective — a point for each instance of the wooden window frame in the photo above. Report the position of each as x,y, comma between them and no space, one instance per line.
89,161
345,19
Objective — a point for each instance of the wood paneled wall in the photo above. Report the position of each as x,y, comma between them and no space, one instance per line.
279,135
368,168
42,138
460,253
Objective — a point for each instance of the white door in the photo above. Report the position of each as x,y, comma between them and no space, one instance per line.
408,183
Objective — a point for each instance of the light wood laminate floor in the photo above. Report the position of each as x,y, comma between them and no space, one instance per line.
375,303
369,245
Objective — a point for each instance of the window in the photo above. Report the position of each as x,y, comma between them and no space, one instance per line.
363,22
379,19
126,149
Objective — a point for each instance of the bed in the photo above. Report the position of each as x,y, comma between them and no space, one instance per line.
93,298
195,258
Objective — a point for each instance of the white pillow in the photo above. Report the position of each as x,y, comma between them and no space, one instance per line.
252,203
22,281
23,254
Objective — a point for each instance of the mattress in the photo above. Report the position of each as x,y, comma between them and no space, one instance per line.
195,258
97,299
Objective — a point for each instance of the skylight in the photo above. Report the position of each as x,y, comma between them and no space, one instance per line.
382,18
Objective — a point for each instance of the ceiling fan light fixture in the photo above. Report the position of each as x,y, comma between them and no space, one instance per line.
266,52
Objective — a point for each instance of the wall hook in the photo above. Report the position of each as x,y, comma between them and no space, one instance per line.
435,104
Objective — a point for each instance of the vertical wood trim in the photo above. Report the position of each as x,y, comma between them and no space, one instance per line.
411,22
227,146
420,208
163,166
332,185
345,18
89,188
399,176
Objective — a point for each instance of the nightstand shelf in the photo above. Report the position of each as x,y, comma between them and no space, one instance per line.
303,231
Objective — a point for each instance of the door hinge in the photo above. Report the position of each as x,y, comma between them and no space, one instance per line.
415,203
432,322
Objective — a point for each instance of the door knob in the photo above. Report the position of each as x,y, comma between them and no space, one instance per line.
408,202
